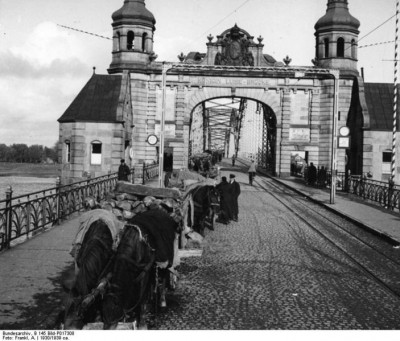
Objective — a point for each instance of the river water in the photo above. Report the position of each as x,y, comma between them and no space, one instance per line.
24,185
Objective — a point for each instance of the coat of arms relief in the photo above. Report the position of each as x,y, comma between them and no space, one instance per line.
235,50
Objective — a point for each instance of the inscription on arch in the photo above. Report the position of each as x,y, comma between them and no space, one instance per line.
230,81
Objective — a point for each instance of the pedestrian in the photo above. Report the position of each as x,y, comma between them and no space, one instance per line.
233,159
252,172
312,174
123,171
226,202
322,177
235,195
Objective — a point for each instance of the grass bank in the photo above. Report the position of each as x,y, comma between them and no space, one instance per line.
29,170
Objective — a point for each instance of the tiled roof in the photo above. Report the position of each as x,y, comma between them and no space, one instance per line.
379,98
97,101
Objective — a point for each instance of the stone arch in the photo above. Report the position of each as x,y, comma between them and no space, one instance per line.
258,95
271,98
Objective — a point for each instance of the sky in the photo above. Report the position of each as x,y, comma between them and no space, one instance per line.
44,66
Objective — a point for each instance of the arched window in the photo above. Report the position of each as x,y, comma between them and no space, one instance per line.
340,47
118,41
326,46
144,38
353,49
95,155
130,41
67,151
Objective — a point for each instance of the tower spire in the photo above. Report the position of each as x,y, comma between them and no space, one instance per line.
337,38
133,30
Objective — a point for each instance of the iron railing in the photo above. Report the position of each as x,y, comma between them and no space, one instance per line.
24,216
149,172
386,194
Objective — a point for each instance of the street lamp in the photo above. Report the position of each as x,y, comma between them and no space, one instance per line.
335,74
165,69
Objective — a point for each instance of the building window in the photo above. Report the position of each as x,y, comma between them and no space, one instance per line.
340,47
144,38
386,162
326,46
130,40
68,151
95,156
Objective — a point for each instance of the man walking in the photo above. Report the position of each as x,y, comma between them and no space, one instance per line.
235,195
123,171
252,172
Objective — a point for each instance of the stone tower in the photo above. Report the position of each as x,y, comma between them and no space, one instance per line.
133,29
337,39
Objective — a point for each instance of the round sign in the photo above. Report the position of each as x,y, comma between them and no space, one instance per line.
344,131
152,139
131,153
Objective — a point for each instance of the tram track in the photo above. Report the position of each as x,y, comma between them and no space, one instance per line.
373,260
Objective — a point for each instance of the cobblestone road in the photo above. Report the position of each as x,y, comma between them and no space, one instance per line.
268,271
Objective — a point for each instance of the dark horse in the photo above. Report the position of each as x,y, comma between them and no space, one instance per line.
92,261
116,285
206,205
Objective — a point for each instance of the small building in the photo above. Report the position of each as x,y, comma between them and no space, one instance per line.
96,129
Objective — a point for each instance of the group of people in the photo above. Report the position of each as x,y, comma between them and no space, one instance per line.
229,194
314,176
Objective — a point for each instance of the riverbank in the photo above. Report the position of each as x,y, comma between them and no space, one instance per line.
29,170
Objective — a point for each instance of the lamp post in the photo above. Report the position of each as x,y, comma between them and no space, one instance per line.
335,74
165,69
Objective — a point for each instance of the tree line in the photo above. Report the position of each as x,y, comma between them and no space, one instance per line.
21,153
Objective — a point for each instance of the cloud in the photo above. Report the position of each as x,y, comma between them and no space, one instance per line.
17,66
39,78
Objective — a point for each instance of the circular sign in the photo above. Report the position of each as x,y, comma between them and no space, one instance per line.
344,131
131,153
152,139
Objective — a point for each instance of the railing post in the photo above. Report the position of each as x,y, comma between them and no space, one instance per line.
390,193
58,198
133,175
8,216
362,181
143,177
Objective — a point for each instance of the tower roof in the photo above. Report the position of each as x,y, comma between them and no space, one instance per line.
134,12
338,17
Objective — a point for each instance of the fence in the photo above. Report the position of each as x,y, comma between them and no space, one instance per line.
149,172
23,216
386,194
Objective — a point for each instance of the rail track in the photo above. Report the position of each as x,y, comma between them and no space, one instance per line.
375,257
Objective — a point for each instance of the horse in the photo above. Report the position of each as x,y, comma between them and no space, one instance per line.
145,252
113,284
206,206
93,258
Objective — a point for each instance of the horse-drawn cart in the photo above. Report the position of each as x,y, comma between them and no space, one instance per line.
126,251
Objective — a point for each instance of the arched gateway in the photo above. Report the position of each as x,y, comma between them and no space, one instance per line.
123,110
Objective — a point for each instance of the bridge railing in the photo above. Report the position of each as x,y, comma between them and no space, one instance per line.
386,194
24,216
149,172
